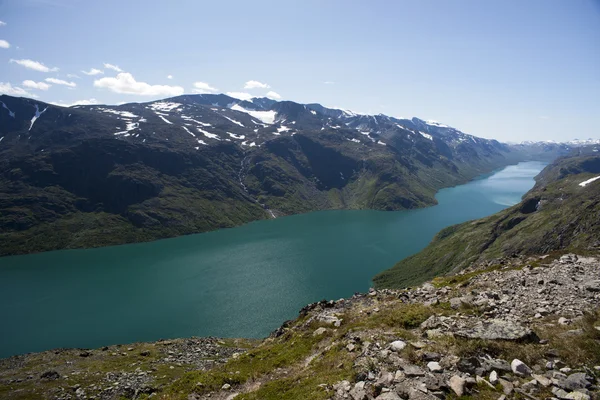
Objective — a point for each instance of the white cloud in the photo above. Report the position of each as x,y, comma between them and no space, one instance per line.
72,76
273,95
93,71
87,102
113,67
4,44
240,95
7,88
125,83
169,76
60,82
36,85
2,23
329,82
204,88
36,66
256,85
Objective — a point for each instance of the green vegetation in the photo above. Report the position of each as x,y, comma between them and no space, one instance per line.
557,214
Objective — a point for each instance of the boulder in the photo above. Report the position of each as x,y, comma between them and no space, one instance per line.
574,381
397,345
520,368
498,330
388,396
457,384
434,366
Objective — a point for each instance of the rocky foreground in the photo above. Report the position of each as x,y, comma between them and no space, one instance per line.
512,328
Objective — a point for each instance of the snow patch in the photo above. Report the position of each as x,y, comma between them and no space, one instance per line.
188,131
268,117
37,115
233,135
124,114
129,127
354,140
313,112
193,120
164,119
12,114
381,143
234,121
426,136
585,183
164,106
435,123
201,142
208,134
282,129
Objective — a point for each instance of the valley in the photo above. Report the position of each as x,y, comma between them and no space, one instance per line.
92,176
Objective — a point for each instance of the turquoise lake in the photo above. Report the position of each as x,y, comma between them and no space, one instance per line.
239,282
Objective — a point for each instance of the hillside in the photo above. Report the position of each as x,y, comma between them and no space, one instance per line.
88,176
508,331
558,214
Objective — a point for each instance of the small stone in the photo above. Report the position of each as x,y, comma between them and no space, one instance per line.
388,396
397,345
577,396
413,370
575,381
507,386
565,370
542,380
226,386
563,321
494,378
457,384
319,331
519,368
350,347
50,375
550,365
434,366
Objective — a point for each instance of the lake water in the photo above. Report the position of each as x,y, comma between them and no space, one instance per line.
240,282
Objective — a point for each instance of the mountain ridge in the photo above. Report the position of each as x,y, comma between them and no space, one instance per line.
194,163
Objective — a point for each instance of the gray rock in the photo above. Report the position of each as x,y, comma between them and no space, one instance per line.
577,396
496,365
507,386
388,396
542,380
359,392
319,331
226,386
519,368
498,330
468,365
397,345
413,370
494,378
560,393
457,384
574,381
593,286
434,366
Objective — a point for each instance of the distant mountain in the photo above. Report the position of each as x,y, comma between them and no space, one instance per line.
96,175
561,213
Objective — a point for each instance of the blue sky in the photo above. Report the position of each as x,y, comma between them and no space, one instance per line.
511,70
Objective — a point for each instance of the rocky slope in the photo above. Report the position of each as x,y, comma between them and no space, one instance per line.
559,214
89,176
518,328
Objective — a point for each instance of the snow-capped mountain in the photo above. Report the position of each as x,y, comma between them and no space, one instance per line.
193,163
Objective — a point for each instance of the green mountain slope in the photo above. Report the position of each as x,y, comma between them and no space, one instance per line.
557,214
89,176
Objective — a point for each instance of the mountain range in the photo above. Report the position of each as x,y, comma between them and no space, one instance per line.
87,176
